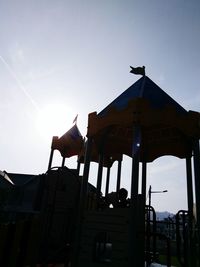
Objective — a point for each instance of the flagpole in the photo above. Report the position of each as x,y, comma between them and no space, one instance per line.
75,119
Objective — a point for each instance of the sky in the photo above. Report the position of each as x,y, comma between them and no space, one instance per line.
66,57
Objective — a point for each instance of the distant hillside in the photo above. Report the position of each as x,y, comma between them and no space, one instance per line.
161,215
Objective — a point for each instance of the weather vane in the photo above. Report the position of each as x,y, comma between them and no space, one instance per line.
138,70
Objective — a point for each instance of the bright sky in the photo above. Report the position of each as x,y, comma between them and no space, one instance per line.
62,58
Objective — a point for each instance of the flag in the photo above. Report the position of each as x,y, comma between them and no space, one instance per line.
138,70
70,144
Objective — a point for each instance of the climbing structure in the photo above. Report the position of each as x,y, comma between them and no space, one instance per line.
144,123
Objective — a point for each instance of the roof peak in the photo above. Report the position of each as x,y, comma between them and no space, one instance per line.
147,89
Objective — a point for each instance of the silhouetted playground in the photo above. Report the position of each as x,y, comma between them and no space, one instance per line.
74,223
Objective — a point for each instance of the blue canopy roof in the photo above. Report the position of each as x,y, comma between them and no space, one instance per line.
147,89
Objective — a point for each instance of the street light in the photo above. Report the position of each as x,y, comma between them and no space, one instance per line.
149,221
152,192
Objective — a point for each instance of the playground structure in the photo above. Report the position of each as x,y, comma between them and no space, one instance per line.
73,222
144,123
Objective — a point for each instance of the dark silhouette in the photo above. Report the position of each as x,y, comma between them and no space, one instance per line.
138,70
118,199
123,202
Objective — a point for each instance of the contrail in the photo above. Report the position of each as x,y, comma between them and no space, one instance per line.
20,85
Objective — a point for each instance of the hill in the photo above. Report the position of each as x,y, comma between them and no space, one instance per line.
161,215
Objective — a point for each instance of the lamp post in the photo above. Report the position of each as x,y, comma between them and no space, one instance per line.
152,192
148,242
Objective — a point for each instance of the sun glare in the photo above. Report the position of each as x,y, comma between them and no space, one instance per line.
54,120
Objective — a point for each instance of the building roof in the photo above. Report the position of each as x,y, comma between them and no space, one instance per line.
6,179
19,179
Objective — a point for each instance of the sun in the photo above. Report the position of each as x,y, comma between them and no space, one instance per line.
54,120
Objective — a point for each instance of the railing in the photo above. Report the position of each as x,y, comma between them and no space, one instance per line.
151,249
182,237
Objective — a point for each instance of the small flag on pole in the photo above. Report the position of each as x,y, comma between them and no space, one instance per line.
75,119
138,70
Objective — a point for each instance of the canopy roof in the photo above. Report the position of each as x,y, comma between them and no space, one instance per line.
144,88
165,127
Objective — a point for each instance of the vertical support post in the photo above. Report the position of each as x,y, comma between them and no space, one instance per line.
54,143
191,242
100,168
134,177
82,202
119,175
78,167
107,181
148,229
136,246
99,175
86,172
189,188
149,195
196,159
63,162
50,159
144,179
